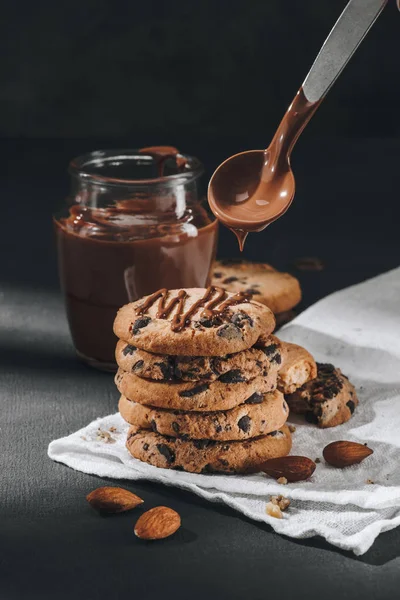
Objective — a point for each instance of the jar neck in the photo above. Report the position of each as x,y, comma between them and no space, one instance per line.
129,181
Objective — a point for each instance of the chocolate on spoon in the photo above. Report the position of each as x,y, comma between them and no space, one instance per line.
251,189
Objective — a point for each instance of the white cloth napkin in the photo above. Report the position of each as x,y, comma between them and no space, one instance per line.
358,330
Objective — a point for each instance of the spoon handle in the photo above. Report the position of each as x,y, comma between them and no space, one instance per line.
347,34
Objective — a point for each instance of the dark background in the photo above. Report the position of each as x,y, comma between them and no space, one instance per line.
180,72
212,78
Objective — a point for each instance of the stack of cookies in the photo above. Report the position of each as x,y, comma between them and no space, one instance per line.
198,376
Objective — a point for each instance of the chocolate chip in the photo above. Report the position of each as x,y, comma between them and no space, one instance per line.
255,398
270,350
217,275
175,426
178,468
153,426
277,358
244,423
233,376
230,279
139,324
351,406
218,428
212,321
166,452
224,462
252,291
199,389
273,433
145,446
167,370
215,368
190,375
203,444
128,350
230,332
241,318
138,365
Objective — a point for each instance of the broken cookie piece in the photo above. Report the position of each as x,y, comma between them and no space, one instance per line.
328,400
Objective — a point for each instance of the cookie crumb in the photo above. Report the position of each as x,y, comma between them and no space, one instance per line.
113,429
292,428
317,461
280,501
105,436
273,510
282,480
83,437
370,482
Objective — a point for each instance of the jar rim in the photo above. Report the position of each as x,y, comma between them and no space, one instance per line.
78,167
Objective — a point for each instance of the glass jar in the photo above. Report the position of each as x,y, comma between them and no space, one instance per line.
133,223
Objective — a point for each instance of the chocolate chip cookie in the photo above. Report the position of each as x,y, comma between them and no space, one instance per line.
160,367
268,414
328,400
279,291
208,456
193,322
298,367
222,394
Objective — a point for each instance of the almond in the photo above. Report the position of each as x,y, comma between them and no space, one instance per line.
157,523
112,500
343,454
292,468
273,510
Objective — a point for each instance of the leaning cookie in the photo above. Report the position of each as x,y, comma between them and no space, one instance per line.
225,393
328,400
279,291
193,322
161,367
298,367
241,423
208,456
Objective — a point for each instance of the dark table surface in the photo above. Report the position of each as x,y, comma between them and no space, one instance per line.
53,545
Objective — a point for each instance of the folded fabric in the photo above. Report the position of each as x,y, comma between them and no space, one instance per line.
358,330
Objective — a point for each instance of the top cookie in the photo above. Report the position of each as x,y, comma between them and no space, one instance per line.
193,322
279,291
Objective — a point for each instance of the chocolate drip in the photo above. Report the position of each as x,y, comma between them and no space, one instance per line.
238,298
162,294
212,297
180,321
178,300
208,311
161,154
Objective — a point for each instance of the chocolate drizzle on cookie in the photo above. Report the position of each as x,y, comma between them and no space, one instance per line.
214,303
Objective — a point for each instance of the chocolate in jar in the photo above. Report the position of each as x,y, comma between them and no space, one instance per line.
124,238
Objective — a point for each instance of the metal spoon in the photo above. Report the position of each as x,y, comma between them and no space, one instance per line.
251,189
